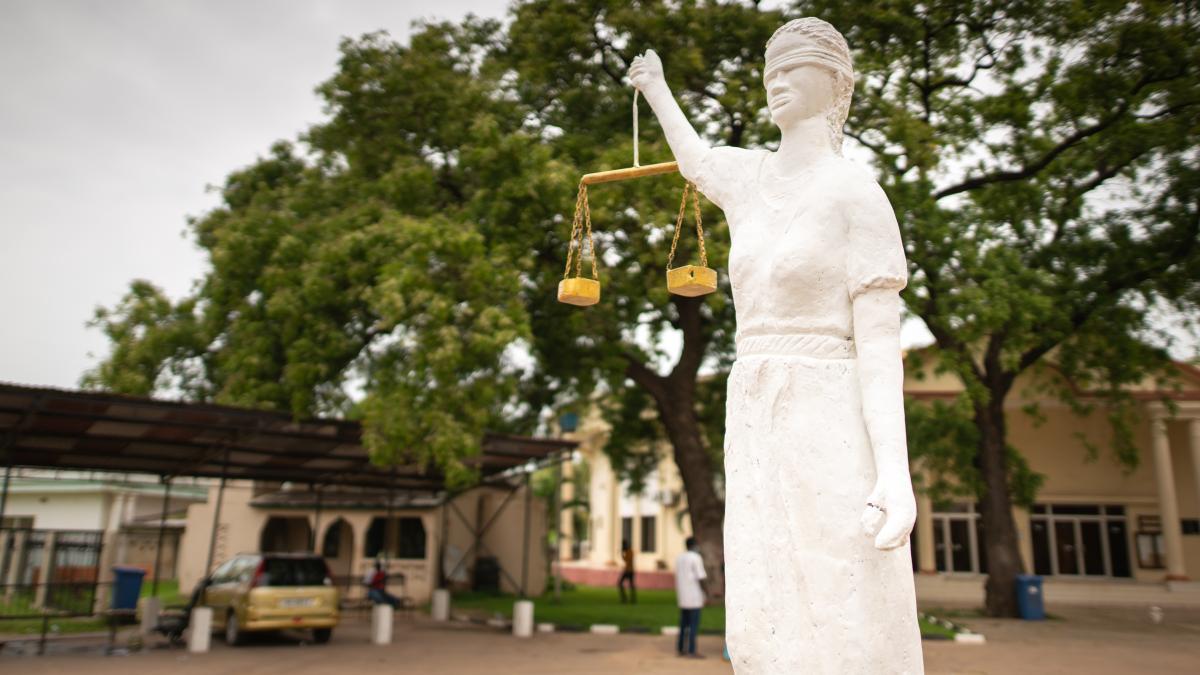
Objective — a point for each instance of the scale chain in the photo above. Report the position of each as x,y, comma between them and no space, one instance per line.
688,187
581,224
576,226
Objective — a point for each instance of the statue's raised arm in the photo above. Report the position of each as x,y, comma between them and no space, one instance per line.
646,75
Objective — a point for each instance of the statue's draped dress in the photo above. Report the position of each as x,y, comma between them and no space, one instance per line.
806,589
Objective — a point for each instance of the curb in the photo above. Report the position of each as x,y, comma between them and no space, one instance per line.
962,635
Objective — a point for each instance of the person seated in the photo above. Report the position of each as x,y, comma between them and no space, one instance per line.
376,583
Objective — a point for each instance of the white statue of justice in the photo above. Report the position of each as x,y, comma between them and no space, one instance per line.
819,501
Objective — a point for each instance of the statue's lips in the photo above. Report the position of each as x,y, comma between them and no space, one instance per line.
779,101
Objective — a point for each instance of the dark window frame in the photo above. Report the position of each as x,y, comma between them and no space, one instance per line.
649,535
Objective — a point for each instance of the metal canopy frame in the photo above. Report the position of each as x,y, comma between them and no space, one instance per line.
73,430
59,429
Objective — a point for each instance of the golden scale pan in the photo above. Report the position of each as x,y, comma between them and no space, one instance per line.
688,280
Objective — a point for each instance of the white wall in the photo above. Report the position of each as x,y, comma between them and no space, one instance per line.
68,511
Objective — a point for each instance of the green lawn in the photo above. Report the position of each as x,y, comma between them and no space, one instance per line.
168,590
70,599
586,605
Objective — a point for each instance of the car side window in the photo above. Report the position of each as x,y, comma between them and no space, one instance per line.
223,573
244,570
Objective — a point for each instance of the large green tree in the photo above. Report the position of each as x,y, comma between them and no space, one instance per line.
400,261
1042,160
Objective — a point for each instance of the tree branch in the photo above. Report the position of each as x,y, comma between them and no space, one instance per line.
1034,168
644,377
1111,289
1067,143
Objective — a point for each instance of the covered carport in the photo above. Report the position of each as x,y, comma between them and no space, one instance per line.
72,430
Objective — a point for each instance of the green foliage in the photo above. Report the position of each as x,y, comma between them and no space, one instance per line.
1041,159
1040,156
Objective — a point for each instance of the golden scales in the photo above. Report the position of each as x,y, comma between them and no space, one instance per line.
688,280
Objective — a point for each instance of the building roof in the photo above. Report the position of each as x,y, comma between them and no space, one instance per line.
62,429
342,500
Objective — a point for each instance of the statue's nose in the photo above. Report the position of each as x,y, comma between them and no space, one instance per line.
776,84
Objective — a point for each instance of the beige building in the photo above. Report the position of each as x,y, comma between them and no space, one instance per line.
354,528
1092,520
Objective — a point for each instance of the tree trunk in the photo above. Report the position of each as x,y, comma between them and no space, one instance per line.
675,398
1003,552
707,510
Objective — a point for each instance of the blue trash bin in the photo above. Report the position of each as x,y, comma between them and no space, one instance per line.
127,587
1029,597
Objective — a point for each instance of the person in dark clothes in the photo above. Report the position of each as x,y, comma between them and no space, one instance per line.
627,575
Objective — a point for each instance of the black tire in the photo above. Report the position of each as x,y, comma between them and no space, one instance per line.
234,635
322,635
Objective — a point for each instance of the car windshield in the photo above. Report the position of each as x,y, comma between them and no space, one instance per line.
293,572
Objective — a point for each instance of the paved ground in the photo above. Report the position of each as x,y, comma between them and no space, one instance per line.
1083,641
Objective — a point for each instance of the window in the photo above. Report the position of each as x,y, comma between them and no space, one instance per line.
1151,551
958,539
293,572
1190,525
649,540
626,531
412,539
331,547
1079,540
406,539
223,573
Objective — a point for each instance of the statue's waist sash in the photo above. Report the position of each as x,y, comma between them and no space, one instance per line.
813,345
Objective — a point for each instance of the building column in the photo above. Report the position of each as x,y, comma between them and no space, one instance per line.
46,574
1024,537
1168,507
1194,428
614,518
926,561
112,546
566,520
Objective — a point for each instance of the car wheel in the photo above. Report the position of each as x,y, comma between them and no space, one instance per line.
233,632
322,635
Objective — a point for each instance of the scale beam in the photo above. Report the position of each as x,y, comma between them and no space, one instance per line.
626,174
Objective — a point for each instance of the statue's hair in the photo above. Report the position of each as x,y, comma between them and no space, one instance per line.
827,39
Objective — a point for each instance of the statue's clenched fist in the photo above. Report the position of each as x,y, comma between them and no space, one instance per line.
890,514
646,70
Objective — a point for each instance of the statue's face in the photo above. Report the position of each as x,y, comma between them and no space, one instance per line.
797,93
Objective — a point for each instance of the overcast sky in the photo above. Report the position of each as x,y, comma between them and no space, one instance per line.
114,117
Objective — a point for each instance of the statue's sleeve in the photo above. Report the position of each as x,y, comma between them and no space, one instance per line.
875,253
722,174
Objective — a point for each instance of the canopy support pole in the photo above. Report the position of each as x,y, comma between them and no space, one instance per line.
162,527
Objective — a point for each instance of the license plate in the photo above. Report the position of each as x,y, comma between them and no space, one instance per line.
297,602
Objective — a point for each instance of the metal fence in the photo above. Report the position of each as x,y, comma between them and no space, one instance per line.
50,584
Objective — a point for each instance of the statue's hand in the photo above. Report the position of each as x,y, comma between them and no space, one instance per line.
890,513
646,70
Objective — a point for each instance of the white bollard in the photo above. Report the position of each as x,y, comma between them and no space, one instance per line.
440,608
381,624
200,630
151,607
523,618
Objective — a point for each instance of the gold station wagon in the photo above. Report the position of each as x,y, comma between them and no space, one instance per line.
272,591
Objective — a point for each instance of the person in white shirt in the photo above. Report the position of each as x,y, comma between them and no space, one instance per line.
689,592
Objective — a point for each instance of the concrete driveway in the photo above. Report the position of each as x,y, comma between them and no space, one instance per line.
1083,641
